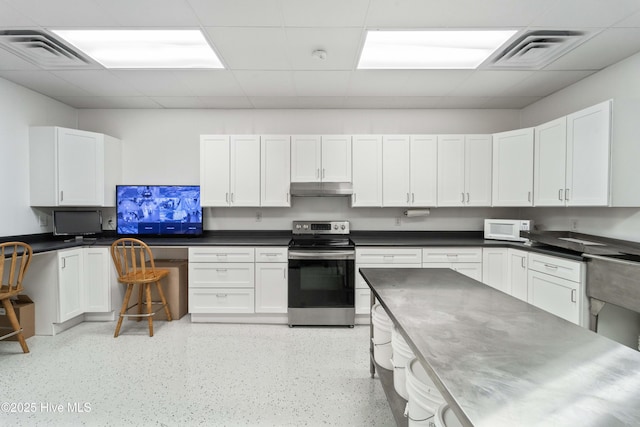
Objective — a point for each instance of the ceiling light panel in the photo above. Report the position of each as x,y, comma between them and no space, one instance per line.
144,48
447,49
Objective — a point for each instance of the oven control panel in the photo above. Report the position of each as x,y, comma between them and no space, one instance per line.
320,227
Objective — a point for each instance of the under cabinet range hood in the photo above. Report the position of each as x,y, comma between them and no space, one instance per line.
321,189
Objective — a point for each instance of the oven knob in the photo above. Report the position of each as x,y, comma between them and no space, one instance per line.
298,226
306,226
342,226
335,227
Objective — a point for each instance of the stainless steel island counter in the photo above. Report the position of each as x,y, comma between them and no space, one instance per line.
499,361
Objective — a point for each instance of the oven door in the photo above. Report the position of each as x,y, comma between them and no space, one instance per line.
321,279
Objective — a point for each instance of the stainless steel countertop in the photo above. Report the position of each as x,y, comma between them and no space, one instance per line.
502,362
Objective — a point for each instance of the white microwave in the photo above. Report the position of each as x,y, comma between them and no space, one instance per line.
506,229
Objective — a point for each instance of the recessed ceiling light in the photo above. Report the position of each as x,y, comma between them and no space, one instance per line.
429,49
144,48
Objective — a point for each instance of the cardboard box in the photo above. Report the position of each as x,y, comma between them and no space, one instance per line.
26,312
175,288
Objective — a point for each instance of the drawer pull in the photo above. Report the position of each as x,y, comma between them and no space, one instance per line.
271,254
573,295
221,295
552,267
221,270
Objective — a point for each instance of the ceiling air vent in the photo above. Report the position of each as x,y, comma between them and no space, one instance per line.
42,49
536,49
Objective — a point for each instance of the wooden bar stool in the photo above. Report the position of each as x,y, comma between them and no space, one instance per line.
18,255
131,257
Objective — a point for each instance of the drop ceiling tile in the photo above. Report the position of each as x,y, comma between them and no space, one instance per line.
10,17
43,82
321,83
342,46
434,82
376,83
238,13
131,102
65,13
543,83
226,102
633,20
98,82
461,13
154,82
568,14
320,102
266,83
84,101
10,61
326,13
489,82
251,48
511,102
603,49
178,101
209,82
150,13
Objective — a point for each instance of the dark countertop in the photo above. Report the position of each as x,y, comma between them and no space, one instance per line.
499,361
584,243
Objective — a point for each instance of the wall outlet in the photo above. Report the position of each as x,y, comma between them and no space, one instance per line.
42,220
574,225
398,220
258,216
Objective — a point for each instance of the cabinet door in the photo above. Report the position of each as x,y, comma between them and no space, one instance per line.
513,168
214,170
424,170
70,288
396,173
363,301
336,158
306,152
245,170
550,148
588,141
271,287
477,165
80,168
96,280
451,170
495,269
275,156
367,170
555,295
518,273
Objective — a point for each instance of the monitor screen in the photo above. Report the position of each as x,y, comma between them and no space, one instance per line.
77,223
158,209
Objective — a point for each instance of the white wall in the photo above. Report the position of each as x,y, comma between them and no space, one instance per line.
19,109
162,147
618,81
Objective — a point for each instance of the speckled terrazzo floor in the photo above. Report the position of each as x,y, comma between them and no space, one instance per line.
193,374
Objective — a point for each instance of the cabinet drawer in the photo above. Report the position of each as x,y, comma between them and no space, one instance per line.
221,275
558,267
222,300
273,254
555,295
451,255
363,301
221,254
389,256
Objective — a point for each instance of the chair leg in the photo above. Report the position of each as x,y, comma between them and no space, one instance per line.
13,319
147,287
140,299
164,301
123,310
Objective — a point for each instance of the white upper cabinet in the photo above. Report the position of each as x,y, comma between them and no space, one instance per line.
275,155
588,142
409,170
550,163
464,170
367,170
230,170
70,167
513,168
325,158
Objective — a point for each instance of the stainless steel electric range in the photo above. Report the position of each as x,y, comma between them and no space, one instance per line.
321,274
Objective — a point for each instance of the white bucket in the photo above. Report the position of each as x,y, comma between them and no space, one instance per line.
382,327
446,418
424,398
402,354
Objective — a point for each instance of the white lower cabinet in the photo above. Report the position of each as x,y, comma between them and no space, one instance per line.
518,270
221,300
495,269
467,261
99,273
271,280
70,284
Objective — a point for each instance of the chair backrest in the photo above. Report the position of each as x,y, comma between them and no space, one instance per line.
130,256
17,255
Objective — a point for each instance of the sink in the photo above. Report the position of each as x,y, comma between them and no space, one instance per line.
582,242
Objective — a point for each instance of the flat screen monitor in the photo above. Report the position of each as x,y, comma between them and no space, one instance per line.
158,210
77,223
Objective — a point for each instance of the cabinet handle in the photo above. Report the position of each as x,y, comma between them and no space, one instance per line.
529,196
284,273
523,265
323,173
221,295
566,194
413,197
64,262
233,197
226,197
354,197
221,270
468,197
573,295
551,267
61,195
317,173
462,197
407,197
287,197
560,194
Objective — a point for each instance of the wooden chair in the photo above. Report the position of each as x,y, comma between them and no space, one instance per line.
18,256
131,257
